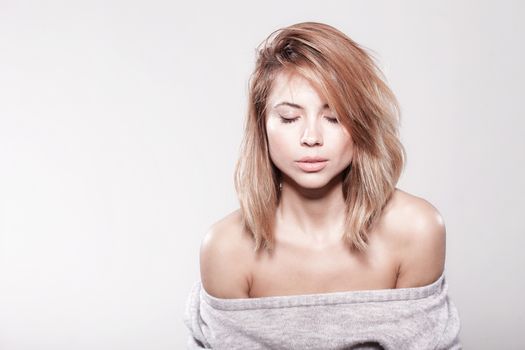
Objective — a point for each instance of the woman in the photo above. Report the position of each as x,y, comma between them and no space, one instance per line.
324,252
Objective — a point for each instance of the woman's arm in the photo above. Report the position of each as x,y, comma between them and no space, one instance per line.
423,244
224,257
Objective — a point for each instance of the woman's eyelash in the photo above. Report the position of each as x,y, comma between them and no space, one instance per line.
287,120
291,120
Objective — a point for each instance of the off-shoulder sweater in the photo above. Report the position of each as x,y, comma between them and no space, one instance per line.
417,318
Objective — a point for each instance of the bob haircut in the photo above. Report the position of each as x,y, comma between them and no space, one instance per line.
355,90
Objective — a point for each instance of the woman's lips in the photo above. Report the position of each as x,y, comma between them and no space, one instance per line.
311,166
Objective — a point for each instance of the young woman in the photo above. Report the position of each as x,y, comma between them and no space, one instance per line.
324,252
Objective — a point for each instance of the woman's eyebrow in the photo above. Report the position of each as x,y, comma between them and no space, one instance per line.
284,103
294,105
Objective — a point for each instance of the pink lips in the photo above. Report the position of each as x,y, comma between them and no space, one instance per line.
311,164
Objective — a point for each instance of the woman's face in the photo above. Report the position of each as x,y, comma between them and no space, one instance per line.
300,124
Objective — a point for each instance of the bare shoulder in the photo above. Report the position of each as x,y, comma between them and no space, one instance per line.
225,255
420,239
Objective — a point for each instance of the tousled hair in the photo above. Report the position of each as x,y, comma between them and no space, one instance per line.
355,89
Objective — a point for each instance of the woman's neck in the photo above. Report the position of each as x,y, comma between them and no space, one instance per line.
317,213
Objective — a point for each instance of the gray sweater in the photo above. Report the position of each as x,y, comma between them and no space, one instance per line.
399,319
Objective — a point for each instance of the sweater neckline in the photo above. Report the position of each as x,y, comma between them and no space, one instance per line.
330,298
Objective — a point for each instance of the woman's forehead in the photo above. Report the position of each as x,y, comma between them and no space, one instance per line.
293,90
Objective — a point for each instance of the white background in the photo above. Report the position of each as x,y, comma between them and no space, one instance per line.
120,124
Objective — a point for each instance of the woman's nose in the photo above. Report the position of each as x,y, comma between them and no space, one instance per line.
311,136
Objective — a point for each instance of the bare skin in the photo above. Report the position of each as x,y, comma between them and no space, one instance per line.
406,247
407,250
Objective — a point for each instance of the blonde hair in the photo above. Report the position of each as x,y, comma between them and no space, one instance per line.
356,90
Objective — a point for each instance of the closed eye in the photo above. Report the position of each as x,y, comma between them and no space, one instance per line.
332,120
288,120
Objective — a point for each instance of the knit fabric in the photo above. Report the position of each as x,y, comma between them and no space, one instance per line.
399,319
